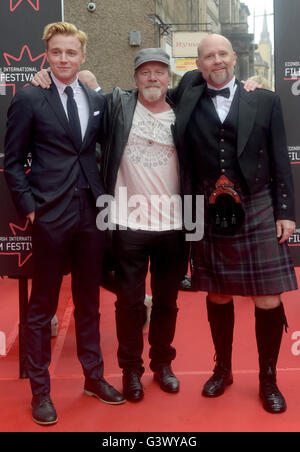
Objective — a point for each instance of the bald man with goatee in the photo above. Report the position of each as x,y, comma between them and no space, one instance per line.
235,150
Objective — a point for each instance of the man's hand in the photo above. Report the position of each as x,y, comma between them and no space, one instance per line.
88,79
31,216
42,79
251,85
284,229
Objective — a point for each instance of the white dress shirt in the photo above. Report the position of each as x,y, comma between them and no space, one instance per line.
222,104
80,99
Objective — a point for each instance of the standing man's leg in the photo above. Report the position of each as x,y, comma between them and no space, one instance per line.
49,258
131,259
269,321
167,261
220,312
87,250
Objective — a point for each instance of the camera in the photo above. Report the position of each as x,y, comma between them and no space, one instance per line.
91,7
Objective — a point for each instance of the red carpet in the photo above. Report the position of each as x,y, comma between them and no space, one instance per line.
239,409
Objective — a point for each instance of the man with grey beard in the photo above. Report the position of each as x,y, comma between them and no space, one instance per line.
139,156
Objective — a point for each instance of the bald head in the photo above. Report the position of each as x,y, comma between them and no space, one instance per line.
214,39
216,60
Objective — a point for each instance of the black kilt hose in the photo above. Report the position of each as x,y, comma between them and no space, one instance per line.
249,262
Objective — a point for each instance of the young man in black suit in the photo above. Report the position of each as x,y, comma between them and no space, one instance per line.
233,143
60,128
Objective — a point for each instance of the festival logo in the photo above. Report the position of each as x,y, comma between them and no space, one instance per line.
17,244
20,70
294,239
294,154
15,3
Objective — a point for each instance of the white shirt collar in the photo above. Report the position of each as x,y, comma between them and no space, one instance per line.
61,86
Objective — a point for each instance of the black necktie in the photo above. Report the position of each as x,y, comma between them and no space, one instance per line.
225,92
73,116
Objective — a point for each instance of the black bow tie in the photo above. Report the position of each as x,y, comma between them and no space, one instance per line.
225,92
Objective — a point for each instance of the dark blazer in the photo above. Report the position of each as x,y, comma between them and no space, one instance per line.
261,140
117,122
37,123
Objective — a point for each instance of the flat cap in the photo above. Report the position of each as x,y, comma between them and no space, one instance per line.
151,54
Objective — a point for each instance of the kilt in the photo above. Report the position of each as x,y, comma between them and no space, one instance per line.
249,262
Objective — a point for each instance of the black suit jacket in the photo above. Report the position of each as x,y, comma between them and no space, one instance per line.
261,140
37,123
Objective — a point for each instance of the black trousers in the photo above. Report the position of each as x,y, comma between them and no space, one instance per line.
72,240
133,250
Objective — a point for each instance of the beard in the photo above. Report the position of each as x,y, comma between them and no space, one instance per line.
221,77
152,93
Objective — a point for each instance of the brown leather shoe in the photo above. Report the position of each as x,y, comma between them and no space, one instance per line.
43,411
103,391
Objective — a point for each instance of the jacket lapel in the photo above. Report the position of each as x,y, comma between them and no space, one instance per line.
188,103
128,105
91,114
55,103
247,114
54,100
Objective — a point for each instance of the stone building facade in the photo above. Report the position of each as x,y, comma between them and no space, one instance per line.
234,25
110,55
110,52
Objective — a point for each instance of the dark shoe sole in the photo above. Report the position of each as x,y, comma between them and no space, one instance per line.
93,394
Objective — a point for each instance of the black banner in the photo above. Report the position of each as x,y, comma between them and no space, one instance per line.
22,54
287,77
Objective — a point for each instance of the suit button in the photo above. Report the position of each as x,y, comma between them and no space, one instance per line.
222,150
282,185
261,151
284,206
257,179
284,195
223,171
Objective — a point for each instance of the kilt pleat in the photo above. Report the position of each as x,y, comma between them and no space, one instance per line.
249,262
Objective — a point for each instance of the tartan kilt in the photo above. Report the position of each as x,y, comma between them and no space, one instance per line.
249,262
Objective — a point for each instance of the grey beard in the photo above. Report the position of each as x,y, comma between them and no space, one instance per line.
152,94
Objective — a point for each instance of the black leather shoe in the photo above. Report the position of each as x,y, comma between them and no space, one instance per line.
43,411
272,399
132,387
215,386
166,378
103,391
